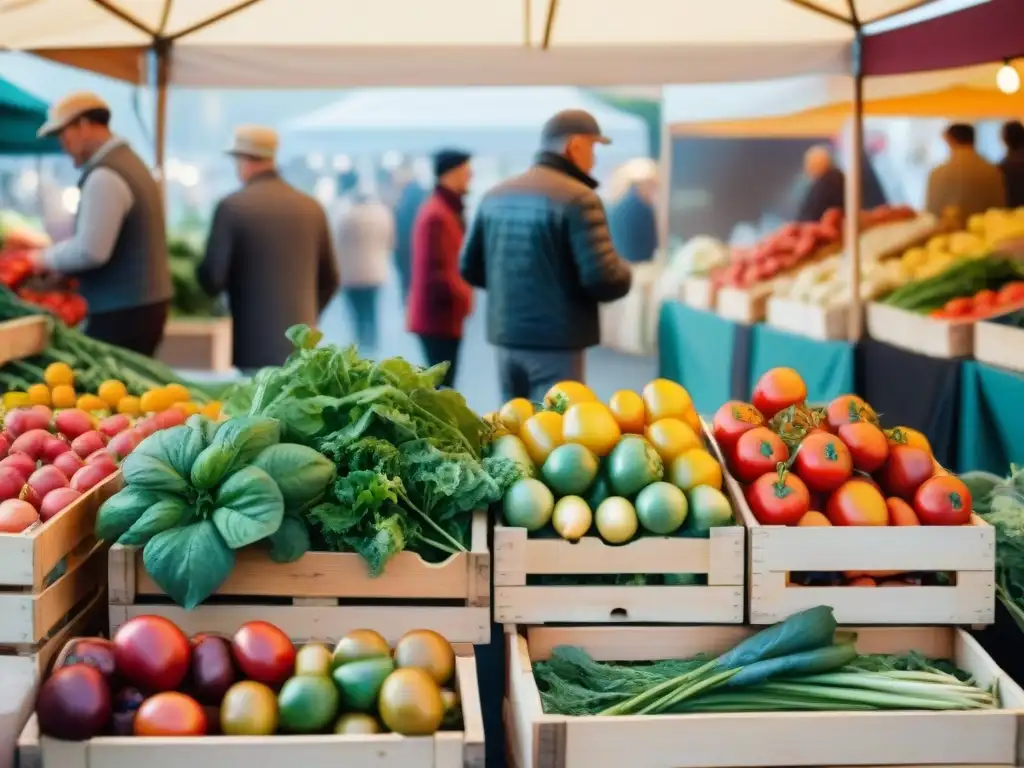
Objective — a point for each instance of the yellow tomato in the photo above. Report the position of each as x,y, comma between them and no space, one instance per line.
591,425
129,405
16,399
63,396
92,403
211,410
628,409
569,393
154,401
693,420
177,393
39,394
671,437
514,413
57,374
188,407
695,467
112,391
541,434
664,399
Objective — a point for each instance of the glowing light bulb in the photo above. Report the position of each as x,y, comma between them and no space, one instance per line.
1008,79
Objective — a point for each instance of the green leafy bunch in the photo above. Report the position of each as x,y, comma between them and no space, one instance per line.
408,455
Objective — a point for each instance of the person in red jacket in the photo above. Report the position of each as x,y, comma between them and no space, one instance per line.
439,299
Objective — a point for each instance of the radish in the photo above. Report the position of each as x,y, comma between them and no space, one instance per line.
73,422
100,457
16,516
22,420
123,444
11,483
91,475
45,479
53,447
24,465
5,445
31,443
88,443
112,425
68,463
56,501
43,412
172,417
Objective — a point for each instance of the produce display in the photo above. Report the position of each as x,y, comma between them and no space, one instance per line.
834,466
18,234
998,226
797,244
153,680
637,465
984,304
801,664
996,279
698,257
190,300
49,459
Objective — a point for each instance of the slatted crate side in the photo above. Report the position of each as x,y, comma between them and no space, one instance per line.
198,344
445,749
1000,345
908,738
918,333
27,559
699,293
825,323
23,337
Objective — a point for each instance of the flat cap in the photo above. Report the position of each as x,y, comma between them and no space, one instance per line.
573,122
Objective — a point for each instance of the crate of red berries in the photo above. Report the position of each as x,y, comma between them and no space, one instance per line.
839,506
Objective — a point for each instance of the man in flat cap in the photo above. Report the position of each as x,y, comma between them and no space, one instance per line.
119,249
270,249
439,299
540,246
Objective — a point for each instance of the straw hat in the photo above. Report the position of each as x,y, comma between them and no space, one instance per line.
254,141
67,110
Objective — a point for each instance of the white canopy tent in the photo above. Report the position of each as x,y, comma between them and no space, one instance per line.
492,121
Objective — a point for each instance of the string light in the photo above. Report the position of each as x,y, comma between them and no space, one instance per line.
1007,78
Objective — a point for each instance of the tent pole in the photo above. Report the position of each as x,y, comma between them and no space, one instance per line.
851,234
162,48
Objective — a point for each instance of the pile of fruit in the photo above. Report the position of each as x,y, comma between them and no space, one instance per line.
57,390
152,680
635,465
995,279
998,226
797,244
833,466
49,459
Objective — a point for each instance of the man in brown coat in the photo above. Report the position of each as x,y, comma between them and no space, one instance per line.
270,248
966,182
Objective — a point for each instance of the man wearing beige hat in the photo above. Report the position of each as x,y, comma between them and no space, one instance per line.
270,249
119,249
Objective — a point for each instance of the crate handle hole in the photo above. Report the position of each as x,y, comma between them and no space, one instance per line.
619,613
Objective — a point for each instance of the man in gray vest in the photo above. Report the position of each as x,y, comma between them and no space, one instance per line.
119,249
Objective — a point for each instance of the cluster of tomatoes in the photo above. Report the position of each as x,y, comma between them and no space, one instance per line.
834,465
56,294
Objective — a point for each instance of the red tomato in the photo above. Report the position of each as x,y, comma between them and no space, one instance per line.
731,421
1012,293
901,513
849,409
170,714
944,500
823,462
905,469
264,653
958,307
868,444
985,298
758,451
151,653
778,498
777,389
857,502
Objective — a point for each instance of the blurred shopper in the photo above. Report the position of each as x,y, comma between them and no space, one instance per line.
410,197
966,182
1013,164
827,184
631,214
119,249
366,240
540,246
439,299
270,249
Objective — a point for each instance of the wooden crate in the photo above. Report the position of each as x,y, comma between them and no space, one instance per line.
998,344
197,344
743,305
24,337
810,320
699,293
907,738
452,597
30,607
446,749
919,333
777,550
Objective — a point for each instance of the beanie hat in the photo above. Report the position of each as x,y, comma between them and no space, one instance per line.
449,159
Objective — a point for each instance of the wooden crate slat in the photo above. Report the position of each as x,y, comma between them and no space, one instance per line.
199,344
825,323
919,333
595,604
24,337
1001,345
798,739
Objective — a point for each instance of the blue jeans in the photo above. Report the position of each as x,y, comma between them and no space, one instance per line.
362,304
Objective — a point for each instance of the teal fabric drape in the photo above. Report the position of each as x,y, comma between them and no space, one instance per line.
21,115
991,418
695,348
